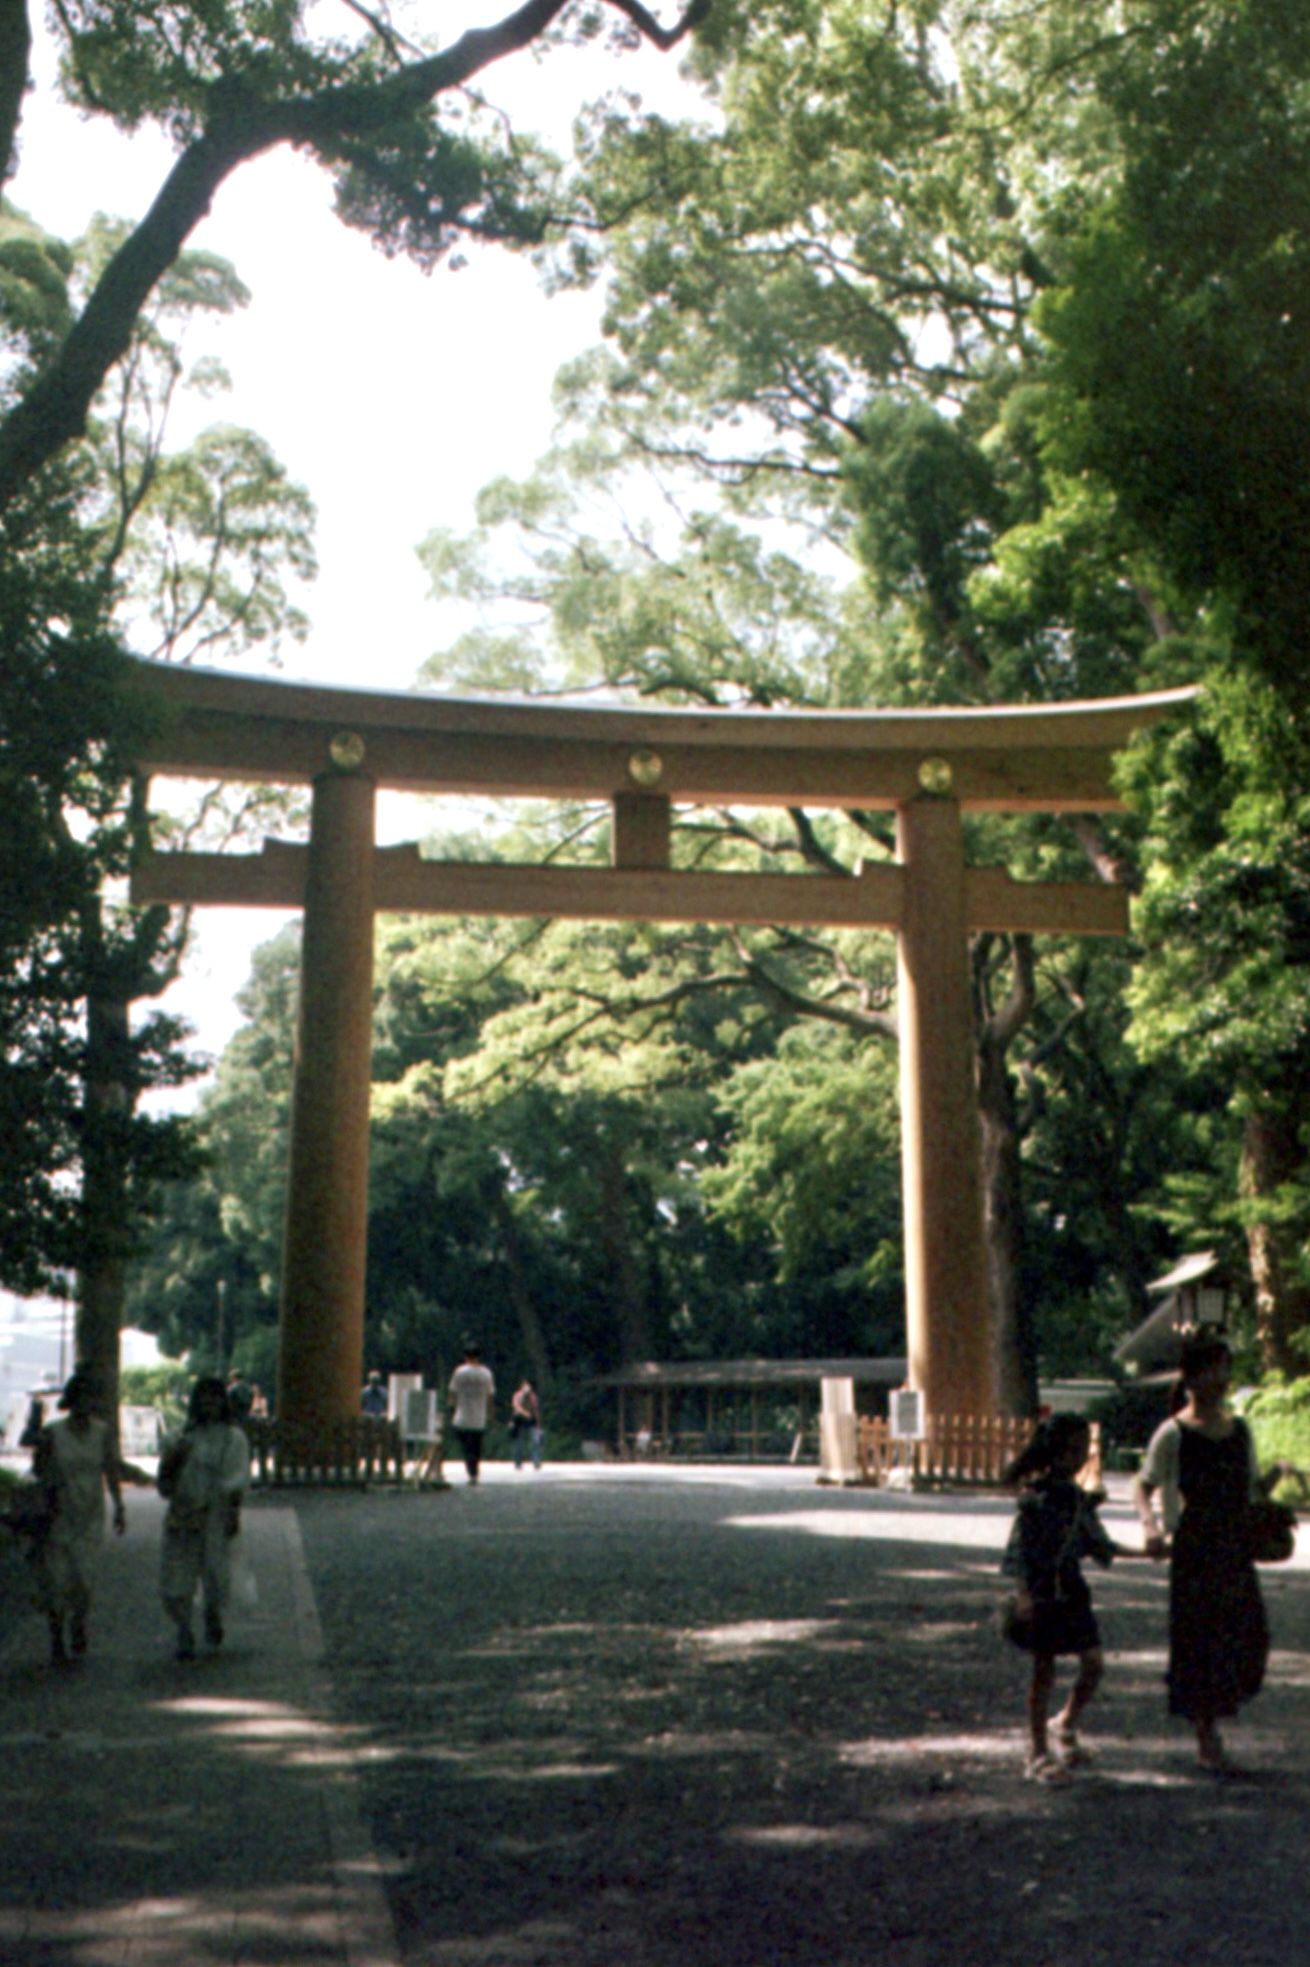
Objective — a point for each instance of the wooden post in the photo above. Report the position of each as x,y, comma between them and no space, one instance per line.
949,1343
321,1356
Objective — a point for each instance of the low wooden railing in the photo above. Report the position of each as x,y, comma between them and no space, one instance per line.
957,1448
347,1453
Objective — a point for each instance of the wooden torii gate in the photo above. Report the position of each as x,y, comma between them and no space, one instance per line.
930,766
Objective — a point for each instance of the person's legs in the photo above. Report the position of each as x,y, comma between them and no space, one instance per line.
471,1442
1209,1743
1039,1704
1091,1666
179,1575
537,1438
79,1606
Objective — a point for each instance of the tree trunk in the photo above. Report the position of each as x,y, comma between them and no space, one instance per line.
104,1232
1272,1155
534,1339
625,1283
1003,1219
1014,1345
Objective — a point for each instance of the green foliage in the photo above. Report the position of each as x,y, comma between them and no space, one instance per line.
167,1387
812,1171
1279,1413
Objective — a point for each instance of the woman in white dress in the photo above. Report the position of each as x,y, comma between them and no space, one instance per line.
203,1474
76,1461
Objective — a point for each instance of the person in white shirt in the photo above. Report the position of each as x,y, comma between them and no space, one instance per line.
472,1391
203,1474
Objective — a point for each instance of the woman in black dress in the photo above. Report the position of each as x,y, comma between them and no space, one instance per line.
1202,1464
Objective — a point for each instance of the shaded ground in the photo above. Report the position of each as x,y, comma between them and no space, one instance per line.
716,1724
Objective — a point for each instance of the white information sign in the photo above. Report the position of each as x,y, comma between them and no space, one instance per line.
905,1413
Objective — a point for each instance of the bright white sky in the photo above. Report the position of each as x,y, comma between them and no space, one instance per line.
391,396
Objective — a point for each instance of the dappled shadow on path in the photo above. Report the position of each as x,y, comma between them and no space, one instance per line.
159,1815
683,1727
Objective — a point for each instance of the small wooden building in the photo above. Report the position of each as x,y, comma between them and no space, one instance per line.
751,1409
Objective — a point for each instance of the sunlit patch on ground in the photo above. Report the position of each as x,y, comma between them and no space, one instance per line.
676,1742
884,1526
294,1923
928,1631
808,1837
753,1636
980,1747
1290,1669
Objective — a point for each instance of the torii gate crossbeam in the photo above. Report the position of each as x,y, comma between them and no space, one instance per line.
927,766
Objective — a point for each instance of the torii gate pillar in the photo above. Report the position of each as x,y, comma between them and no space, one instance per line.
947,1328
321,1348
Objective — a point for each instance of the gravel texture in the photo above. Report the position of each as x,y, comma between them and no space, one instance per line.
731,1720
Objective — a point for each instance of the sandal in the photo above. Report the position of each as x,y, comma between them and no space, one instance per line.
1045,1769
1071,1751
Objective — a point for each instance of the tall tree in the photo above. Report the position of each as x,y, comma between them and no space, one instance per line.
415,160
178,553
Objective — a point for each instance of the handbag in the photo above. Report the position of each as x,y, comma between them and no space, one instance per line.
31,1511
1271,1532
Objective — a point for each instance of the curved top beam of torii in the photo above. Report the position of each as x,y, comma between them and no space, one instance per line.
1011,758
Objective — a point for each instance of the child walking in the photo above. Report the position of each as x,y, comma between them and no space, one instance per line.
1055,1527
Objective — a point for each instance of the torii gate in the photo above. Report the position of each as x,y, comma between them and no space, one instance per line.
930,766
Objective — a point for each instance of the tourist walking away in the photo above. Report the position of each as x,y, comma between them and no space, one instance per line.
240,1397
472,1390
525,1424
1202,1466
75,1461
204,1474
373,1401
1050,1616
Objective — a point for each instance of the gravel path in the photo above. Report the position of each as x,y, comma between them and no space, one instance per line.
732,1721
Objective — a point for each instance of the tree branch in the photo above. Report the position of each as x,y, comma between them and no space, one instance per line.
15,52
240,127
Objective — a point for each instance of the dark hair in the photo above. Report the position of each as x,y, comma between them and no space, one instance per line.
1200,1351
208,1386
1049,1442
81,1390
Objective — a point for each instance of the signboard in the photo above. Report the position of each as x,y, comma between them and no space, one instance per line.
419,1419
139,1430
905,1413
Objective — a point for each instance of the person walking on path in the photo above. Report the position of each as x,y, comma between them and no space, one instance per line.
203,1474
472,1389
1055,1527
1202,1465
525,1423
75,1461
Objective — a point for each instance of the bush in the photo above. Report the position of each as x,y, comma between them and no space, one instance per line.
167,1387
1279,1413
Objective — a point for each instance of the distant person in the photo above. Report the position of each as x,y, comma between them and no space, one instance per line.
204,1474
525,1424
75,1460
240,1397
1202,1464
472,1391
34,1423
373,1400
258,1402
1055,1527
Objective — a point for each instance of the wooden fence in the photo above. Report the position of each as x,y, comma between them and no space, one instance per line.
345,1453
957,1448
